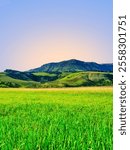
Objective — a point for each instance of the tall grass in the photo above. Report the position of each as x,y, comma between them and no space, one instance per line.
56,119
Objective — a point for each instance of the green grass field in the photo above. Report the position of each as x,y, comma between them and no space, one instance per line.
56,119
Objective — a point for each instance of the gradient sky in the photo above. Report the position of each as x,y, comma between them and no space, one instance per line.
34,32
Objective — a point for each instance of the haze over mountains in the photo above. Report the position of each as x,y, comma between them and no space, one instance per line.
69,73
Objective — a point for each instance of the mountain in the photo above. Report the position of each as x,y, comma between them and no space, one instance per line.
69,73
73,65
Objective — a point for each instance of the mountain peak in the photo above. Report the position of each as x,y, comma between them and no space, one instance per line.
73,60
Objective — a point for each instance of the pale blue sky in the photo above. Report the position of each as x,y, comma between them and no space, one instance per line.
34,32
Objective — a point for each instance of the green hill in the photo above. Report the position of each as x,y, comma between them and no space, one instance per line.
69,73
73,65
41,77
65,79
82,79
6,81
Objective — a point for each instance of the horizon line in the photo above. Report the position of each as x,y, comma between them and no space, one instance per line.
57,62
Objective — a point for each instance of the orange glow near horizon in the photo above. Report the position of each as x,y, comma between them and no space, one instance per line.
57,48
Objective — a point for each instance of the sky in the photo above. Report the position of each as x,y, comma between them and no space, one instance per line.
35,32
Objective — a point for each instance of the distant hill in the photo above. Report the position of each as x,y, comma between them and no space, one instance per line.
8,82
73,65
78,79
28,76
48,80
71,73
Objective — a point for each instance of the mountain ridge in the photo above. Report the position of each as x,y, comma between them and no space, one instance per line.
68,73
73,65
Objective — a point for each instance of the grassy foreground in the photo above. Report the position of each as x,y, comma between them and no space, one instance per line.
56,119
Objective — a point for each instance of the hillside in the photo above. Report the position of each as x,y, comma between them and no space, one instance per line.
73,65
28,76
79,79
71,73
6,82
75,79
